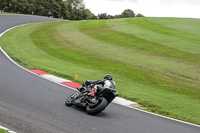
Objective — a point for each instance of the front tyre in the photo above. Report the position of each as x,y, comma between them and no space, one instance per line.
70,99
101,105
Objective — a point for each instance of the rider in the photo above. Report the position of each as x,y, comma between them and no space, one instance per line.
106,82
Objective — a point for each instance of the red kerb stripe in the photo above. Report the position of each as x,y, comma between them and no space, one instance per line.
39,72
72,84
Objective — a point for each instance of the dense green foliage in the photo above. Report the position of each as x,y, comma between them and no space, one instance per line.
154,61
128,14
68,9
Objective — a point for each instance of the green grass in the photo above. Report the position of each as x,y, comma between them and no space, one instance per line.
154,61
7,13
3,131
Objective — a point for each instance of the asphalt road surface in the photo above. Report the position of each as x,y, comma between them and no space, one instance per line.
30,104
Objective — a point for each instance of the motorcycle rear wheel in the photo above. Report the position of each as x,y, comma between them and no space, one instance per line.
93,110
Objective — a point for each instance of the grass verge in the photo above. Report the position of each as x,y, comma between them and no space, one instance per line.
3,131
152,62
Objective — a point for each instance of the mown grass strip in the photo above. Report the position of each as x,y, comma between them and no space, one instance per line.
156,27
179,43
130,41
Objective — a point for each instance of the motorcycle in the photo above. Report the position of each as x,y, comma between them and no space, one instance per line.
92,104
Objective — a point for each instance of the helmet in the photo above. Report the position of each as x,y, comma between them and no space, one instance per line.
108,76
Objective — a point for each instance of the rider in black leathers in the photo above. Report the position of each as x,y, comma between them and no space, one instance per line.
106,82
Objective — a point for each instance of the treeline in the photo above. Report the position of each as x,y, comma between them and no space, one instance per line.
64,9
125,14
68,9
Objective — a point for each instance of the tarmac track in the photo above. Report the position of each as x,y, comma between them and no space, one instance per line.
30,104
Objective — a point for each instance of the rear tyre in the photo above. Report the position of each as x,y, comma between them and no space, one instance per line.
70,99
101,105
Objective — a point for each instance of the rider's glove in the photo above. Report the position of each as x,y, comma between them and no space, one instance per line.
87,82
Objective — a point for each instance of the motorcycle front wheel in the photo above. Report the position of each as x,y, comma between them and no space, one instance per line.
70,99
99,107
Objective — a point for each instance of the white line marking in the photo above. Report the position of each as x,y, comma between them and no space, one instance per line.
54,78
1,127
122,101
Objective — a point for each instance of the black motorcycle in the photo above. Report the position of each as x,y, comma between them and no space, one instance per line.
92,104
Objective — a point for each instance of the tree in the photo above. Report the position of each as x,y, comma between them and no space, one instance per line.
94,17
110,17
55,9
64,11
139,15
117,16
76,9
3,5
88,14
127,13
102,16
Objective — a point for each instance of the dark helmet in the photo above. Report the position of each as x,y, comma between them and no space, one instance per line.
108,76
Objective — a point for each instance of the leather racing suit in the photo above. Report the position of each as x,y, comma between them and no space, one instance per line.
109,84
